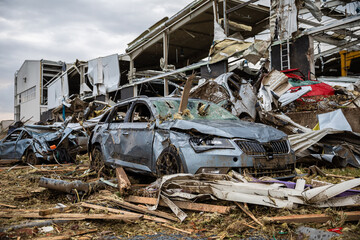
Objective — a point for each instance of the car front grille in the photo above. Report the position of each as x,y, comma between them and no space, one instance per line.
254,148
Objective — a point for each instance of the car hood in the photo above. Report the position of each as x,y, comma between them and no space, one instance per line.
227,129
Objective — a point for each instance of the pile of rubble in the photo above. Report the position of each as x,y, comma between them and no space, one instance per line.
64,201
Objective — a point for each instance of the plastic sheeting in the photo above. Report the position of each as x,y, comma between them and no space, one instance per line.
57,91
335,120
104,74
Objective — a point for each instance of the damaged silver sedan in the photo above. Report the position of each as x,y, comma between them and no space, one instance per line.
34,144
149,135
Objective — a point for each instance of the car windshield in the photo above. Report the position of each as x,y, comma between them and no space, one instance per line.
196,109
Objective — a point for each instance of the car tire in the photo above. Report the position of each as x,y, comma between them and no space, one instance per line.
31,158
97,159
169,162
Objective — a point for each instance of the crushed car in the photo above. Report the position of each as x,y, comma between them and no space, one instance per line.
34,144
149,135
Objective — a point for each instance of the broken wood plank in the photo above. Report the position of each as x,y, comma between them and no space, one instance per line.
201,207
249,213
135,208
177,229
185,93
49,211
123,180
7,205
8,161
319,218
124,217
60,170
113,210
38,166
69,235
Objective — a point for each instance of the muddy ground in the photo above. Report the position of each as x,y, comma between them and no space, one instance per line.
19,188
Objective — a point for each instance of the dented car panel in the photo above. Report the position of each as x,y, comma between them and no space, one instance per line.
144,134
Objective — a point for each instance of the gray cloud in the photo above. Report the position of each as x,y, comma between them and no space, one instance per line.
68,30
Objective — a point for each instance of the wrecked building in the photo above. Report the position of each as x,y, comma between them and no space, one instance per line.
30,92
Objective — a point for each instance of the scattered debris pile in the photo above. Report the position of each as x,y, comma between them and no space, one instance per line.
64,200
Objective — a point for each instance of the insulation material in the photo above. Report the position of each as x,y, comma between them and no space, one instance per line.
256,51
57,91
104,74
226,48
277,82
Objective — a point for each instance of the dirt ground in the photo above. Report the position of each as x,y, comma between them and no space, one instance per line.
19,188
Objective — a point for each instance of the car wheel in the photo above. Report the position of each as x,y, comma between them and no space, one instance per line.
97,160
31,158
169,162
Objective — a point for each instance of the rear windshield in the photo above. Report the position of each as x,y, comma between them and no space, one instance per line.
196,109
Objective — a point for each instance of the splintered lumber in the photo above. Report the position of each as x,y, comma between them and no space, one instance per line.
75,216
9,161
185,93
38,166
61,170
69,235
123,180
7,205
249,213
113,210
49,211
135,208
319,218
177,229
35,223
201,207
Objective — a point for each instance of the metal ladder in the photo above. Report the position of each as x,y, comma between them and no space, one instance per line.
285,55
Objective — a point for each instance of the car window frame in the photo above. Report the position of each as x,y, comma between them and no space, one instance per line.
111,115
8,136
131,110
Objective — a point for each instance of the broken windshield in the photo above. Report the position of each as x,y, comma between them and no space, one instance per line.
196,109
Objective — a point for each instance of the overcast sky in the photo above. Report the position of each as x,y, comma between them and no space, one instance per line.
68,30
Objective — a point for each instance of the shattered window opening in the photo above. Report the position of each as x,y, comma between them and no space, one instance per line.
141,113
214,112
119,114
13,136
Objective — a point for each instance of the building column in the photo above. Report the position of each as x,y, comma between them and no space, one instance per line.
165,56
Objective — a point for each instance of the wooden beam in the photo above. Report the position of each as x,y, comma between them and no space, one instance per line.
249,213
118,211
185,94
123,180
6,205
201,207
237,7
319,218
135,208
75,216
8,161
49,211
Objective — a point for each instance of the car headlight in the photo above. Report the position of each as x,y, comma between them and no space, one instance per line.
206,143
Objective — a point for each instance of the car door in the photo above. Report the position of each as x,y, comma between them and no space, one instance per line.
137,135
113,144
22,143
7,146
